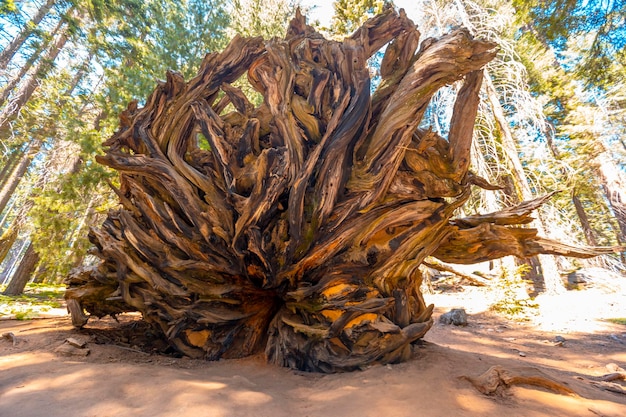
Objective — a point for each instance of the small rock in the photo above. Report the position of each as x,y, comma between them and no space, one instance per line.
69,350
76,342
559,339
10,336
578,277
522,354
456,316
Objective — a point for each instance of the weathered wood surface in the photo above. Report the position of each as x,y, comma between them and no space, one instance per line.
299,225
497,379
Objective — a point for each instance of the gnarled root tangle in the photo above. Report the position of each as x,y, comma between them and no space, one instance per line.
297,224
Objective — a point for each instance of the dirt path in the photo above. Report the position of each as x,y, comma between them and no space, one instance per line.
116,379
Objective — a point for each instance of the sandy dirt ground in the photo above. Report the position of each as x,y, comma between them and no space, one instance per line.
118,378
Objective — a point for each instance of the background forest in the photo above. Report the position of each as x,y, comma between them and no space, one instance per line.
552,118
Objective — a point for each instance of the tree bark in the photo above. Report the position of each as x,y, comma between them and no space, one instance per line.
23,273
300,229
614,185
9,186
13,180
7,239
7,54
590,235
544,270
9,164
10,111
15,80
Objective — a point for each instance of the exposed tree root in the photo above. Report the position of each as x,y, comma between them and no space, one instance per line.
497,379
605,382
609,386
298,225
10,336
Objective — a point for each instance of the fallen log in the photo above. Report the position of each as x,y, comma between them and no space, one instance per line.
298,225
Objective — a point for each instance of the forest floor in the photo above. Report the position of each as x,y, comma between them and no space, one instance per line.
569,338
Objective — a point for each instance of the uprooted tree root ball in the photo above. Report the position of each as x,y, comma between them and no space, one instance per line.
298,225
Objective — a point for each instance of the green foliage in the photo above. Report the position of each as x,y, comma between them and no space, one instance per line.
265,18
37,298
595,31
578,137
118,51
510,289
350,14
7,7
621,321
138,42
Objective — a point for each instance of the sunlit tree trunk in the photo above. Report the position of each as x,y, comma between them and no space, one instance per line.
8,166
7,239
590,235
17,78
544,269
29,28
13,180
23,273
41,70
614,185
11,262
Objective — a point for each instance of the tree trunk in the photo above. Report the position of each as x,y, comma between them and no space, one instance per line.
7,190
7,239
11,110
9,164
544,271
590,235
10,263
301,227
7,54
41,275
14,81
614,185
23,273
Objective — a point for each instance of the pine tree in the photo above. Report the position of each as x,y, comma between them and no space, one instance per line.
135,42
585,121
566,24
264,18
27,30
512,114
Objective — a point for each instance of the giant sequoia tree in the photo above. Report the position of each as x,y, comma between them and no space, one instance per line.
298,225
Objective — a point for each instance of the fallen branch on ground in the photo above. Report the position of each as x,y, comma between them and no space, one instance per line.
498,378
